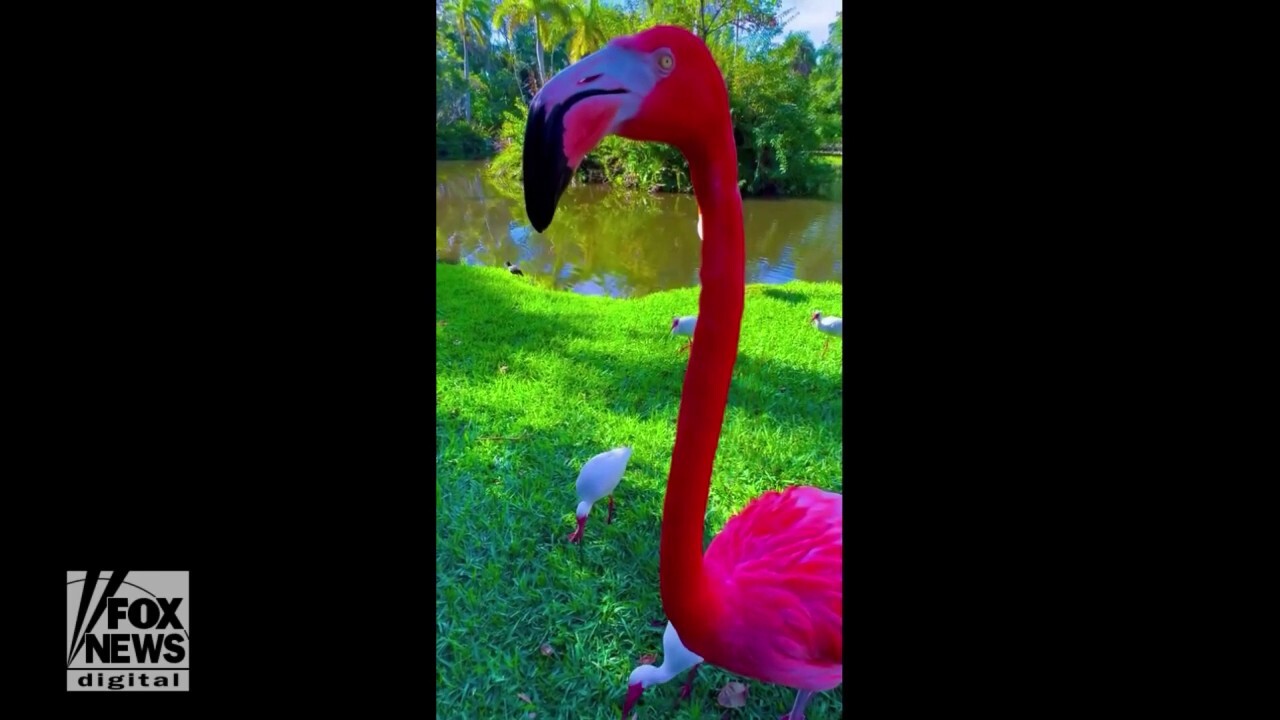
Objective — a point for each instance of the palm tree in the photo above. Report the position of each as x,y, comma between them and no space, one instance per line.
468,18
542,14
836,35
586,33
835,45
801,53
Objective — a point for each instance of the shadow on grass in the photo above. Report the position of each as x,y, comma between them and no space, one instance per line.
490,309
787,296
786,395
640,383
508,581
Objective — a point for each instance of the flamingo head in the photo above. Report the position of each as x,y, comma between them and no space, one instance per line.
660,85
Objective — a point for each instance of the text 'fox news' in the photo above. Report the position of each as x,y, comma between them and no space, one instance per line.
127,631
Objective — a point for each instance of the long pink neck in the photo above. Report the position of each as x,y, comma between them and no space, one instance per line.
689,600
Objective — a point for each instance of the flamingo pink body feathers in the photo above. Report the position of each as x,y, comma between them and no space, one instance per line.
778,563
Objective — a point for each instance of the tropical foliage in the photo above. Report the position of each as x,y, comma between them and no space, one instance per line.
787,96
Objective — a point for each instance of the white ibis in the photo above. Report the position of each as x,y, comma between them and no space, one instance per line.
828,325
676,658
684,326
598,478
513,269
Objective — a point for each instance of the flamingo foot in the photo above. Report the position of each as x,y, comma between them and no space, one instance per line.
609,520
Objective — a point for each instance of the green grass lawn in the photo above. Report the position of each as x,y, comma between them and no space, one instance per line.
833,160
530,383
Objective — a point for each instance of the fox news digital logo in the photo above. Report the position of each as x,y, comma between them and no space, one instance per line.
128,634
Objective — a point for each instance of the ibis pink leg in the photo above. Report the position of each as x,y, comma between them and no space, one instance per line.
824,347
797,710
688,685
609,520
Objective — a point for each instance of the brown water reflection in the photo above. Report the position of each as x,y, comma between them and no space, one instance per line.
620,243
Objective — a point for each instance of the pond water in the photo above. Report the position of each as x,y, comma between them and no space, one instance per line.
623,243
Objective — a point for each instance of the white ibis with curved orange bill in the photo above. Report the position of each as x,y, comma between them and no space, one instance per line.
684,326
676,658
598,478
829,326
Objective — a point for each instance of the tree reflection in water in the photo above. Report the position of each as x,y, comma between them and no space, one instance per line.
625,243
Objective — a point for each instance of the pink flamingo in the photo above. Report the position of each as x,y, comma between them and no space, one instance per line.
765,601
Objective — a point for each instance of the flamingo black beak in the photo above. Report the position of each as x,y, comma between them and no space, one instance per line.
633,696
571,114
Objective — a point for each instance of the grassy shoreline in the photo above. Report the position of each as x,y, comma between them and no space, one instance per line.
530,383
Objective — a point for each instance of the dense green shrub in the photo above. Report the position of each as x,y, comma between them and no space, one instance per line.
462,141
774,111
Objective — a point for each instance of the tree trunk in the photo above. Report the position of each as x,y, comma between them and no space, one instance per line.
733,50
537,44
515,65
466,78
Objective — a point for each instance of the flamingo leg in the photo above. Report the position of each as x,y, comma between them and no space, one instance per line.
797,710
609,519
688,686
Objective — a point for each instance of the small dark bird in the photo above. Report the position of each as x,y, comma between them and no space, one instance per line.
513,269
